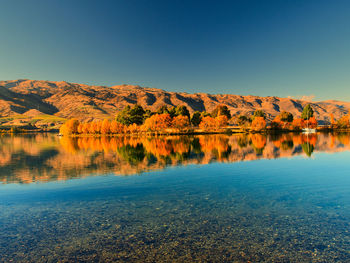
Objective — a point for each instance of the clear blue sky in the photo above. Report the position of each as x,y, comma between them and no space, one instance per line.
282,48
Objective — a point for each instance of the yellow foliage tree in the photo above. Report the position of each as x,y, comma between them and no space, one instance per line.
133,128
207,123
105,127
221,121
80,128
117,127
180,122
70,127
258,124
86,128
158,122
95,127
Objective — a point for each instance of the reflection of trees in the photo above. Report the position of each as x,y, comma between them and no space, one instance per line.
44,158
283,141
132,154
216,144
258,142
343,138
308,148
243,141
287,145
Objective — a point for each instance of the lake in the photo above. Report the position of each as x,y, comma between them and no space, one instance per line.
205,198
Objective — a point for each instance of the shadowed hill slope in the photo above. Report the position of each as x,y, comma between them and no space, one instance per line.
82,101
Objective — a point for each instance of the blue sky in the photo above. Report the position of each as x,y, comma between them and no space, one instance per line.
267,48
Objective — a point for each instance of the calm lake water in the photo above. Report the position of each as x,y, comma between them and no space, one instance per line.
214,198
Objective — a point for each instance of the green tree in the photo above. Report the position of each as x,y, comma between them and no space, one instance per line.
163,109
147,114
286,116
130,115
182,110
307,113
242,120
205,114
196,118
221,110
172,112
259,113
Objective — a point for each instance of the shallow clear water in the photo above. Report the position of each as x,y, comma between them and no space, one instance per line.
209,198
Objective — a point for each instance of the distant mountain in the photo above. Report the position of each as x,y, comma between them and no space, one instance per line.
81,101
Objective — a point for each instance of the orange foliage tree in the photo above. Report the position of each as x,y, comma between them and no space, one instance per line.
258,124
86,128
298,124
332,120
105,127
95,127
117,127
221,121
133,128
158,122
70,127
180,122
312,123
80,127
207,123
344,122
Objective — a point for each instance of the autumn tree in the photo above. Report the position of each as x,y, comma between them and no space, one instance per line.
158,122
95,127
116,127
105,127
180,122
221,121
332,121
207,122
343,122
86,128
80,128
70,127
258,124
298,124
312,123
133,128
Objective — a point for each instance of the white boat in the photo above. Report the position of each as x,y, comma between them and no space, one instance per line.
308,130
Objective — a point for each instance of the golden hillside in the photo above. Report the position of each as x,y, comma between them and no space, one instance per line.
81,101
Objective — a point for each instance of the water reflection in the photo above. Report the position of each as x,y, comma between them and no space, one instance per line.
45,157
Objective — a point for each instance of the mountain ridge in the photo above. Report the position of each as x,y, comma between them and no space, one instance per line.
82,101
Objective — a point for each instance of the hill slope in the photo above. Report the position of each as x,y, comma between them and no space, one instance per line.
68,100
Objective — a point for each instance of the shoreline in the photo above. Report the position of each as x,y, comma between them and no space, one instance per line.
225,130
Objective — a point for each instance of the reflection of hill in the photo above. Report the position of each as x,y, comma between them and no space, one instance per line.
26,159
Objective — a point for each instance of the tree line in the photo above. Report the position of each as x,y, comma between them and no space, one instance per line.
136,119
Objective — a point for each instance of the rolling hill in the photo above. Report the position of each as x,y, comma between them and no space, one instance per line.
64,99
